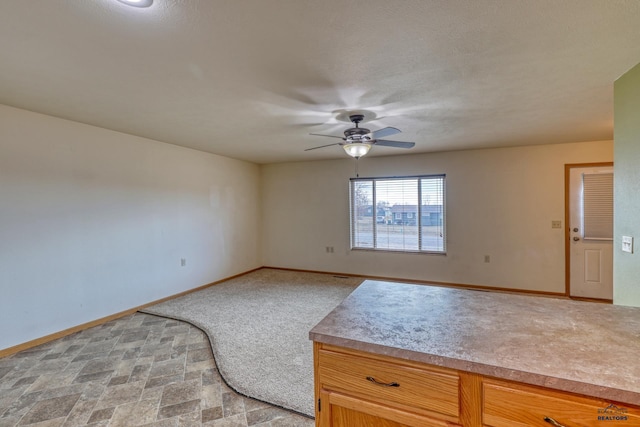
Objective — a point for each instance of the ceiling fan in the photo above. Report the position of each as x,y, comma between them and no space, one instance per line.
357,141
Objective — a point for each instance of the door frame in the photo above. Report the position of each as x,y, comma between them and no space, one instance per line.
567,246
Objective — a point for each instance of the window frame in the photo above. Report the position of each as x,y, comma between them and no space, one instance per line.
394,215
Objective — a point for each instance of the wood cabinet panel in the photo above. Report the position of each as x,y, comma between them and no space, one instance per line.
508,405
346,411
429,396
391,383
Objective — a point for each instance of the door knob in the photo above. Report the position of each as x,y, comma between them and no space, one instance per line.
575,239
575,230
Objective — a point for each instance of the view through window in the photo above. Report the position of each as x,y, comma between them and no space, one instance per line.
398,214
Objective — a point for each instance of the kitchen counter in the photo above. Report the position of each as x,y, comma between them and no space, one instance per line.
581,347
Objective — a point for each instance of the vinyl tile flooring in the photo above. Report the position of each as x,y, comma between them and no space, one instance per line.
139,370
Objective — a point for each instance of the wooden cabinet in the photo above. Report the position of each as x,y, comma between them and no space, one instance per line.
506,404
359,389
346,410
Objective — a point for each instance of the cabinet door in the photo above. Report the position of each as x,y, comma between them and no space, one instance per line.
340,410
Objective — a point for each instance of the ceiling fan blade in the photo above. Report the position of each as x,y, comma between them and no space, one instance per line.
322,146
396,144
381,133
330,136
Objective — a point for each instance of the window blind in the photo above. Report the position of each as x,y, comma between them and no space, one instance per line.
398,214
597,206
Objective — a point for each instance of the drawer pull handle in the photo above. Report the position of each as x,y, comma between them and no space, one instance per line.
553,422
373,380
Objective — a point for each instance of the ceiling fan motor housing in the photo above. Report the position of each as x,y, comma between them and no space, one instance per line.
357,134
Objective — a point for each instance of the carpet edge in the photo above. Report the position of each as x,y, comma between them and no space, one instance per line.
218,367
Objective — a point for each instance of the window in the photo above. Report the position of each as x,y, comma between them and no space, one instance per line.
409,213
597,206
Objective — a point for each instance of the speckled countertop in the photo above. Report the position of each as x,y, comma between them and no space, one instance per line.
581,347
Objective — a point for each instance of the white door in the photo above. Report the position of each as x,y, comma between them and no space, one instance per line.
591,232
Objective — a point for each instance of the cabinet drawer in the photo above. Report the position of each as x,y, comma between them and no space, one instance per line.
390,383
510,405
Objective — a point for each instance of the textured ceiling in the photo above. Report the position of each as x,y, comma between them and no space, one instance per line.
250,79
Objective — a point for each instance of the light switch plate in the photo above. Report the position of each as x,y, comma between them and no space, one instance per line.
627,244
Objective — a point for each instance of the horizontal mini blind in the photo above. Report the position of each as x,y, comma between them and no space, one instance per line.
597,206
432,214
398,214
362,214
398,198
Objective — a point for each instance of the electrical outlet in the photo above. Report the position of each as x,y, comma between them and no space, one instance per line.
556,224
627,244
487,258
329,249
183,262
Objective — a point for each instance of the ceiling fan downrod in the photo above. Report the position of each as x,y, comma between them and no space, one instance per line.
356,118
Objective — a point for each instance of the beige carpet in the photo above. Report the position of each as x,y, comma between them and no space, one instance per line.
259,324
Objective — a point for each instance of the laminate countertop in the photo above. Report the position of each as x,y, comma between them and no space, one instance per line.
582,347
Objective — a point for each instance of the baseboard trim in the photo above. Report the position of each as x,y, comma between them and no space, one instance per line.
433,283
601,301
60,334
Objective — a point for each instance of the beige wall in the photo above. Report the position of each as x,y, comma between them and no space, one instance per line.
94,222
500,202
626,266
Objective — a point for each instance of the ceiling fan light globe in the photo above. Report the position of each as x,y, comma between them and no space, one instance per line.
356,149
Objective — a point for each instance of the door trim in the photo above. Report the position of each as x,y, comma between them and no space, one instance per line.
567,247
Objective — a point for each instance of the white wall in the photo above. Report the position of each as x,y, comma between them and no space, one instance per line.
500,202
94,222
626,266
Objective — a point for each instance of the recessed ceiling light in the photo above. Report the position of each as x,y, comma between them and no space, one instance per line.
137,3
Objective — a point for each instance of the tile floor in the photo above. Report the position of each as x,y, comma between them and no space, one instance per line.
140,370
